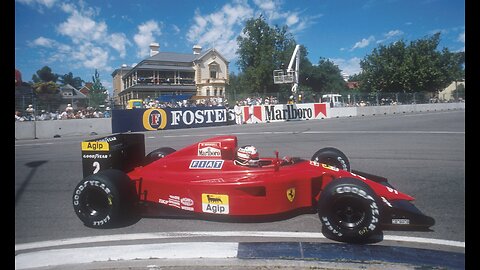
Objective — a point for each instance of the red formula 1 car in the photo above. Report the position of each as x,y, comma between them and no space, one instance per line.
207,180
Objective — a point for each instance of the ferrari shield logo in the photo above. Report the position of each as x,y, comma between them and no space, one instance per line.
291,194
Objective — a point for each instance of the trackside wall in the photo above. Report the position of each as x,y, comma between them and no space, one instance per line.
81,127
395,109
63,128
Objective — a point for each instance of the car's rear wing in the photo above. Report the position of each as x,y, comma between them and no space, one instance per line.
122,151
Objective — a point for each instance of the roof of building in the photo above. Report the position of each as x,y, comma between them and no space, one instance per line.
169,61
167,67
166,87
76,94
127,68
172,57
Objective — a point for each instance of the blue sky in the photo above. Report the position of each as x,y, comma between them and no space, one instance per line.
81,36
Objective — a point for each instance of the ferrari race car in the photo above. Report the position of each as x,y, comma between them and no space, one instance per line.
205,180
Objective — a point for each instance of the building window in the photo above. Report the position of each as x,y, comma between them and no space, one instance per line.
213,70
208,92
213,73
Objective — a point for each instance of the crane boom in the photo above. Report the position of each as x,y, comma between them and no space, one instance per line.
295,56
295,59
290,75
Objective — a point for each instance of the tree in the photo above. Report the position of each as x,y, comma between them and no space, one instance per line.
98,93
324,78
46,90
413,68
45,75
76,82
261,49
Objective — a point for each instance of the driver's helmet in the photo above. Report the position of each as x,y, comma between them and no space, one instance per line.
247,156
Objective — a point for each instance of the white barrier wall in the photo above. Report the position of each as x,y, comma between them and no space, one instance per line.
71,127
394,109
251,114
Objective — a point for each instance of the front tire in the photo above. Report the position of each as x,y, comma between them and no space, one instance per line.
332,157
349,211
104,199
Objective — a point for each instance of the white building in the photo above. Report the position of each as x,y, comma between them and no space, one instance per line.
198,75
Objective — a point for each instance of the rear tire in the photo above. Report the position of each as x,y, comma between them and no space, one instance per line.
104,199
349,211
332,157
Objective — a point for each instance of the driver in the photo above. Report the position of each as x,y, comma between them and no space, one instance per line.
247,156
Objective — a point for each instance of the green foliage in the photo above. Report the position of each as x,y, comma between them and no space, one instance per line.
98,93
44,75
261,49
323,78
48,95
416,67
46,90
76,82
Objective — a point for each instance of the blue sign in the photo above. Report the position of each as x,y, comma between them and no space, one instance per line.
170,118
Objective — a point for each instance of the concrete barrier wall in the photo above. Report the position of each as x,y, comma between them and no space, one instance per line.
71,127
394,109
81,127
342,112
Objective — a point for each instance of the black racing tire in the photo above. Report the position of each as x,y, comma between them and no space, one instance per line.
158,154
105,199
349,211
333,157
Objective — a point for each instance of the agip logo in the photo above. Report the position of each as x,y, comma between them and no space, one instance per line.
215,203
154,119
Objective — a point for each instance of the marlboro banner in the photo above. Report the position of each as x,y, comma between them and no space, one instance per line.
284,112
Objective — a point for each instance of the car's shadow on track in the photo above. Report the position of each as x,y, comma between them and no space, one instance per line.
161,212
33,165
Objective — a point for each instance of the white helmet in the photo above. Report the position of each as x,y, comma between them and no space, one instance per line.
247,156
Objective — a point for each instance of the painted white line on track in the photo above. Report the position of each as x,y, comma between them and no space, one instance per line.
384,132
215,250
32,144
424,240
316,132
173,235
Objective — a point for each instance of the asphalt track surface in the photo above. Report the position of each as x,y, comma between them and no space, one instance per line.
422,154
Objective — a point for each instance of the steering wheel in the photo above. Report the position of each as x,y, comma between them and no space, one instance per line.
286,160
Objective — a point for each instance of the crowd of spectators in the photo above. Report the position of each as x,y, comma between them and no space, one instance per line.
209,102
252,101
89,112
68,113
205,102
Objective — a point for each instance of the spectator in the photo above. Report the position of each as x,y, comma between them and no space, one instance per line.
69,108
18,116
107,114
63,116
70,112
30,113
79,115
291,100
238,113
44,116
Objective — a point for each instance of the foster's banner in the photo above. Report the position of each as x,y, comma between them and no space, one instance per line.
170,118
